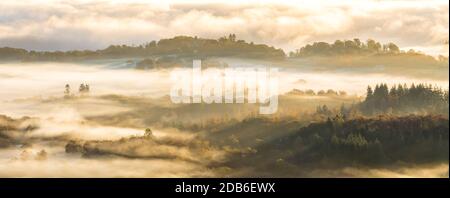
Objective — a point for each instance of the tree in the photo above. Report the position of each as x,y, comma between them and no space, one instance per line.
232,37
373,46
393,48
148,132
67,91
369,92
84,89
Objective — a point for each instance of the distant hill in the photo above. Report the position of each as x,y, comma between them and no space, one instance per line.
365,57
227,46
180,46
352,47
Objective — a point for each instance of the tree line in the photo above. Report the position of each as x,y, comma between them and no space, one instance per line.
226,46
354,47
83,90
400,100
369,141
181,46
310,92
403,99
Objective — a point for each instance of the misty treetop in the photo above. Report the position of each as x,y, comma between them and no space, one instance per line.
310,92
83,90
354,47
420,98
399,100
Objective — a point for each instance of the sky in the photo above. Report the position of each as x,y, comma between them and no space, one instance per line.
83,24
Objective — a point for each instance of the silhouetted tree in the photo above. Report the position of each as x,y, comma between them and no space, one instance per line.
67,91
404,99
84,89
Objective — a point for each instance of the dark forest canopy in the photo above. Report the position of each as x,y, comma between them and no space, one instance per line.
382,141
379,140
401,99
227,46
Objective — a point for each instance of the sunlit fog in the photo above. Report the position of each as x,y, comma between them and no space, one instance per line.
361,89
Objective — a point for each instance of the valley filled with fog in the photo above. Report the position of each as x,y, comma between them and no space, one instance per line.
126,125
111,88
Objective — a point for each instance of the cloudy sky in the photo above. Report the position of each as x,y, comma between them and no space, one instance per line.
83,24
